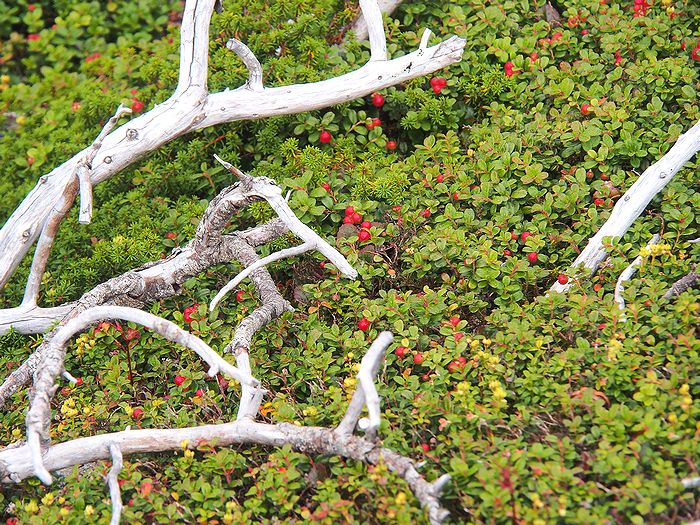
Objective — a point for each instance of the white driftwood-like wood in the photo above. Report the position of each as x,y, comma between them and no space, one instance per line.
627,274
366,394
191,107
360,26
635,200
22,461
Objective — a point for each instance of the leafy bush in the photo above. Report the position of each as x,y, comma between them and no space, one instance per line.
557,411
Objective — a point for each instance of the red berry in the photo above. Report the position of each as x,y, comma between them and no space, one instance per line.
322,264
455,196
425,447
377,100
455,366
513,236
604,176
458,336
33,37
370,126
31,7
524,236
534,56
325,137
179,380
584,32
137,413
364,235
401,351
391,145
507,252
363,324
78,381
440,178
376,122
348,220
563,279
356,218
240,296
418,358
349,211
137,105
425,213
366,225
187,314
585,109
556,36
199,392
508,67
438,82
454,321
326,186
532,257
171,235
598,202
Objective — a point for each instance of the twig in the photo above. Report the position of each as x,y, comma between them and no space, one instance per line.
683,284
375,29
84,166
635,200
627,274
113,483
691,483
255,77
282,254
367,393
39,413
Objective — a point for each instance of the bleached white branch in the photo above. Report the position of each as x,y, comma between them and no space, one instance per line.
255,76
85,164
360,25
276,256
191,108
627,274
691,483
375,29
366,394
427,33
635,200
113,483
38,415
267,189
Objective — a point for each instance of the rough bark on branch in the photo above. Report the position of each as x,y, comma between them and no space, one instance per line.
191,107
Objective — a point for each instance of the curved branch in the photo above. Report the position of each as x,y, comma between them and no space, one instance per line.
39,413
255,76
627,274
276,256
367,393
113,483
375,29
635,200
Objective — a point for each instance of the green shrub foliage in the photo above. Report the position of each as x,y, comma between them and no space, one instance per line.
557,412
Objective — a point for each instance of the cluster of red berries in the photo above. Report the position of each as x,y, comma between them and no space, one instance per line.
351,216
373,123
187,313
640,8
438,83
508,66
92,57
532,256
